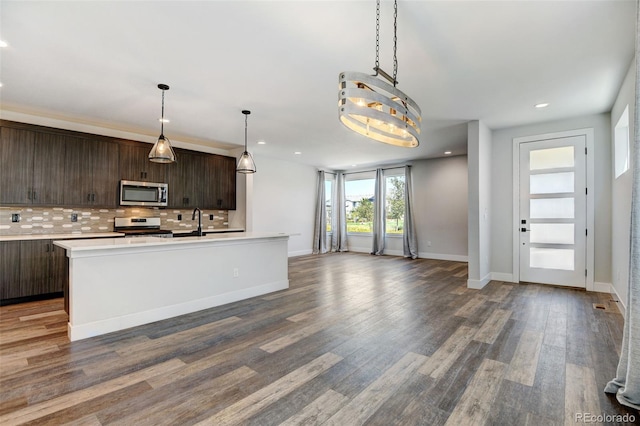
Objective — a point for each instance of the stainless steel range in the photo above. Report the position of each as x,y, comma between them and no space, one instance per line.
141,227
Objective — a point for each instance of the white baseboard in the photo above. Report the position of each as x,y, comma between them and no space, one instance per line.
439,256
479,284
501,276
421,255
602,287
620,303
360,249
299,253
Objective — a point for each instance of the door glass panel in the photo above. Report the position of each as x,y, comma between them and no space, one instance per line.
547,258
551,158
551,183
551,208
552,233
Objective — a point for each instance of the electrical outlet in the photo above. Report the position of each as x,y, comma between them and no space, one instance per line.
179,217
236,273
15,217
74,217
210,217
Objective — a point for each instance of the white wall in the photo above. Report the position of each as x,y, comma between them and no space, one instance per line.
440,198
479,148
621,192
502,195
282,199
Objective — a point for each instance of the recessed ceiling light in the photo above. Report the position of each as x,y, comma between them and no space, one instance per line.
541,105
262,143
3,43
297,153
354,165
447,153
164,120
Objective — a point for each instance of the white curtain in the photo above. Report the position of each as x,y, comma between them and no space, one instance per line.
339,217
379,228
409,238
626,385
320,222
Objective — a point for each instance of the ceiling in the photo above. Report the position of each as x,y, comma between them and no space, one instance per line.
99,63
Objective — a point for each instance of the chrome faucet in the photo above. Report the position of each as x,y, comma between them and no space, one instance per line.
193,217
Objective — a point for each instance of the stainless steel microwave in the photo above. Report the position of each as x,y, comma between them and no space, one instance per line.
134,193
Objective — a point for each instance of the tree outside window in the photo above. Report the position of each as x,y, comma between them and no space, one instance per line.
359,205
394,204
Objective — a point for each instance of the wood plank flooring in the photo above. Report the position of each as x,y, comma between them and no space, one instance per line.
357,339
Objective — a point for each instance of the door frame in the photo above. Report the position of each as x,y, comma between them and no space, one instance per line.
588,133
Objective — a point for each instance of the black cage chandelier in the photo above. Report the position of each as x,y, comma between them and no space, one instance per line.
376,108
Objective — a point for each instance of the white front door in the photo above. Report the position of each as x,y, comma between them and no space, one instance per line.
553,207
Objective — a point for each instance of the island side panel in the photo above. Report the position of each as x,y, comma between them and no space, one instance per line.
121,289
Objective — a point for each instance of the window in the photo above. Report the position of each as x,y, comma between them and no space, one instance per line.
328,195
359,189
621,135
394,204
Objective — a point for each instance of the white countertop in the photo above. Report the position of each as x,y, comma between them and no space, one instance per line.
76,246
21,237
60,236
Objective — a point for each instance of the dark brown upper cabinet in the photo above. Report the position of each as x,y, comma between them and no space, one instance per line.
185,178
220,182
91,173
135,164
55,167
32,169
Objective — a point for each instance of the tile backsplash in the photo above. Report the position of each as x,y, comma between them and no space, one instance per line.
57,220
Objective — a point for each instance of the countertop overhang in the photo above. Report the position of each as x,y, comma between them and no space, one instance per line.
116,246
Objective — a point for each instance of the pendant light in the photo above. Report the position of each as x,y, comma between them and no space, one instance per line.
246,164
162,152
376,108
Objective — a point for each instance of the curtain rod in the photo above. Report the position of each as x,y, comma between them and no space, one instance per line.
367,171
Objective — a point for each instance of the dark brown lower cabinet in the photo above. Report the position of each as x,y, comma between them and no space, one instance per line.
9,269
30,269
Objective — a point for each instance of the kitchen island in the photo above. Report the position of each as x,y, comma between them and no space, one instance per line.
117,283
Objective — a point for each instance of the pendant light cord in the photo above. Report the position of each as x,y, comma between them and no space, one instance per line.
245,132
162,119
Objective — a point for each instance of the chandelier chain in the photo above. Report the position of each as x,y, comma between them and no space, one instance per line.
395,42
377,35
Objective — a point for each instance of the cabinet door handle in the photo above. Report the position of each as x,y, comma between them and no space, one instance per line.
35,195
47,248
88,197
29,194
93,197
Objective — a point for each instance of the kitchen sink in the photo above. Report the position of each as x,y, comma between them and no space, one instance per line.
187,234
